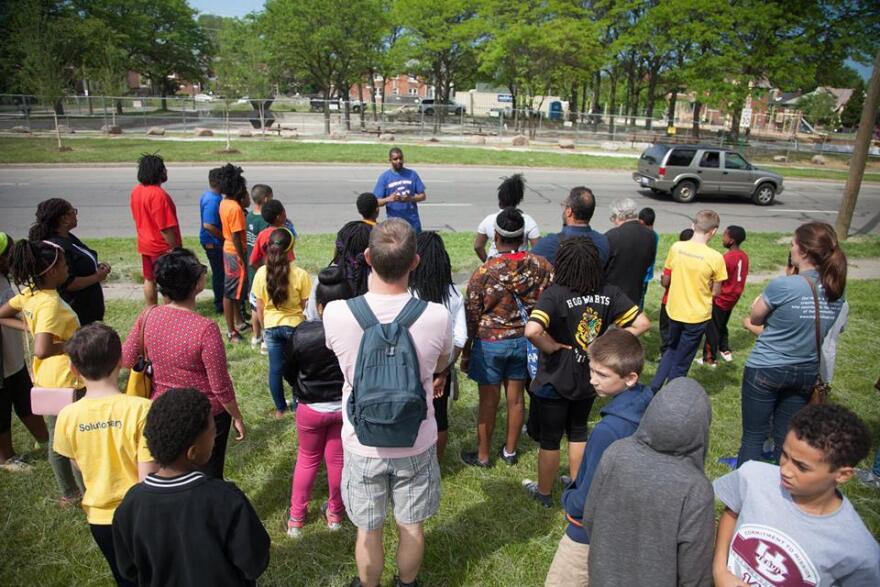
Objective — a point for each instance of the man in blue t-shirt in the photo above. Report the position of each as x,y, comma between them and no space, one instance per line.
211,235
577,211
400,189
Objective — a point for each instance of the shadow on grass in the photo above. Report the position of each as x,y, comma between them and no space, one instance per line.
506,518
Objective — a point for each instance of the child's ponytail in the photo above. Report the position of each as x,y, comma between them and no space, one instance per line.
278,265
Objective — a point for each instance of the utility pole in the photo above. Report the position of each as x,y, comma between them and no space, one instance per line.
860,153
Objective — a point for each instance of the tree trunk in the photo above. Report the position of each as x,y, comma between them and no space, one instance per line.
670,113
652,90
734,123
695,125
597,87
373,94
326,112
119,108
573,102
58,106
612,98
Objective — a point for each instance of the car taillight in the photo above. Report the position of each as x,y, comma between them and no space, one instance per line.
661,172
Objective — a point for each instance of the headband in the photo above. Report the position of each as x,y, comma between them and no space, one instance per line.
292,239
54,260
509,233
4,243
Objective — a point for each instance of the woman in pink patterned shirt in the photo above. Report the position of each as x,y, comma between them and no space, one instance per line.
186,349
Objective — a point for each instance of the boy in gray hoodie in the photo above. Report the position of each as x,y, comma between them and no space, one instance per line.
650,510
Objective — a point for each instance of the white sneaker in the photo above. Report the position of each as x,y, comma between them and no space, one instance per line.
726,356
698,361
264,348
256,341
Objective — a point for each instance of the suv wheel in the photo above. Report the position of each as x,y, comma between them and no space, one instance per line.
764,195
429,112
685,192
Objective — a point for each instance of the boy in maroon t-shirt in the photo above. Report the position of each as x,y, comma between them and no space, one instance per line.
737,262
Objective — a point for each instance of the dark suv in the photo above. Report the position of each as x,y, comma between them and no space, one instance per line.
686,171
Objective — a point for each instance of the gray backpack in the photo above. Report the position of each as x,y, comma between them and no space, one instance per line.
387,402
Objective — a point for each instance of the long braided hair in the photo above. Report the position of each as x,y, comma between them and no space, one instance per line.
351,242
578,266
29,261
49,214
433,277
278,265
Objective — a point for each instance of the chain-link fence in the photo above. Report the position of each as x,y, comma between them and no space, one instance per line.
204,115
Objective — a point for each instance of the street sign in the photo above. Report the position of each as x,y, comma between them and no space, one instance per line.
745,120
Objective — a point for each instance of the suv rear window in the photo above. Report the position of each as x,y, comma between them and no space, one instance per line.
681,157
654,154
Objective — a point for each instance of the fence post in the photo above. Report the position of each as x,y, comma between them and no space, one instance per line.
183,115
104,110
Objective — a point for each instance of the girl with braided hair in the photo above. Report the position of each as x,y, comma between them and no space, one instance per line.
432,282
281,289
351,242
55,219
38,268
576,309
510,195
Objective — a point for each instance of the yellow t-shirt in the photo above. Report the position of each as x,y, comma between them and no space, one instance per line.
695,267
45,312
291,311
105,436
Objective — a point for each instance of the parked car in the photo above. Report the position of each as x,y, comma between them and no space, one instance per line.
687,171
431,107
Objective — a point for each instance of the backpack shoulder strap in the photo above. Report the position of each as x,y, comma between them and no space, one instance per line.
362,312
411,312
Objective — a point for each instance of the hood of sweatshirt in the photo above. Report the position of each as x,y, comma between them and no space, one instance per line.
629,405
677,421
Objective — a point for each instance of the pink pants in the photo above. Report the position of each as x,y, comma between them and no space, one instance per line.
319,434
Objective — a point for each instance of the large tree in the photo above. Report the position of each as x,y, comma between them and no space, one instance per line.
323,44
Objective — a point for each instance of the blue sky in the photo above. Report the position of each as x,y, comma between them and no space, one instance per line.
227,7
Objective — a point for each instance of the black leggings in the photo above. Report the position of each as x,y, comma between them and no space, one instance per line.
15,393
103,535
214,466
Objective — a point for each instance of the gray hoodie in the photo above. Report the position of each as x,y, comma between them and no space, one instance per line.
650,510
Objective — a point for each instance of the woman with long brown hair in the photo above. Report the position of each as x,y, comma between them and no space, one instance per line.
282,292
784,363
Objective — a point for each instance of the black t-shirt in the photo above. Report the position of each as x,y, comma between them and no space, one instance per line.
87,303
576,320
633,249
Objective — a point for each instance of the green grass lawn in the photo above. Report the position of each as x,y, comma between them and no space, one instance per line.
275,150
487,531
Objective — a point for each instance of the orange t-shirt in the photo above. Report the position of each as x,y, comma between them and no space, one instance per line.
232,219
153,211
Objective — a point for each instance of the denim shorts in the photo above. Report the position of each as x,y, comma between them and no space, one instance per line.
493,361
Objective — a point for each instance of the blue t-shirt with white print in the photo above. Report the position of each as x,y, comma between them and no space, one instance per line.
406,183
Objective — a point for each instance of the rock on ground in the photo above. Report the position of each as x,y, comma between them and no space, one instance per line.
111,129
566,144
156,131
203,132
520,141
818,160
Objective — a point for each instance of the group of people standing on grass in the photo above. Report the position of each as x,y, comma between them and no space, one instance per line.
557,316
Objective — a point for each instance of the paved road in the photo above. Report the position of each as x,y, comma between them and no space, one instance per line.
321,198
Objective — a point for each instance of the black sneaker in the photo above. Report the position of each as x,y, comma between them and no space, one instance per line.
531,488
470,459
356,582
510,460
399,583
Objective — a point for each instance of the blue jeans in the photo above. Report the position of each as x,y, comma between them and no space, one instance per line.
215,259
494,361
276,341
770,397
684,340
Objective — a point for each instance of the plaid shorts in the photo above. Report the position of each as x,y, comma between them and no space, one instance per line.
412,482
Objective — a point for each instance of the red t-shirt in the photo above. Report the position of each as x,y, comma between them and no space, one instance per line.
261,244
737,263
153,211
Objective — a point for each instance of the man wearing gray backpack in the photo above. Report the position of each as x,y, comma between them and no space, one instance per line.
389,345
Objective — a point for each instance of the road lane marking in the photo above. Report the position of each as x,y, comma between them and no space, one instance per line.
809,211
444,205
